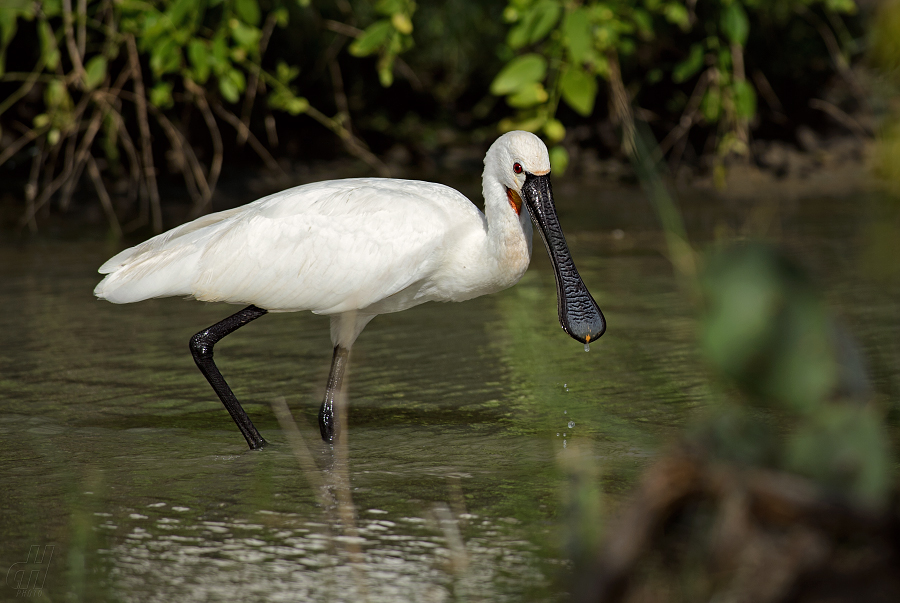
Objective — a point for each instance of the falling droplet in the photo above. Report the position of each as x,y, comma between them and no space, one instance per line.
571,424
565,412
587,347
564,435
564,443
557,434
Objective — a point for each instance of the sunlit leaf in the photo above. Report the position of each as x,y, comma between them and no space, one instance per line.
55,94
49,49
579,89
372,38
530,124
711,105
402,23
390,7
94,72
232,84
554,130
677,14
521,71
734,23
559,160
577,34
528,96
165,57
546,14
248,11
690,66
535,24
744,99
161,95
246,35
199,56
179,10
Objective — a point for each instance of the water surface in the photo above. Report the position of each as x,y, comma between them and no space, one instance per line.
116,452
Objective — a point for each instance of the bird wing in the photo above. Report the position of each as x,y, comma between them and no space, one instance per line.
328,247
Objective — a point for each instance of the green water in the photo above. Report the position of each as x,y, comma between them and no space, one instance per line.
116,453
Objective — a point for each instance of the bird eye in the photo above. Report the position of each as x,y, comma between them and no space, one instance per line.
517,168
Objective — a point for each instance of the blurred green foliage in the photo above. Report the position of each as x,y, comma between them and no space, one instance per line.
766,328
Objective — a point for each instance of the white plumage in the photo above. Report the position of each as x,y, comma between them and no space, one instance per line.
351,249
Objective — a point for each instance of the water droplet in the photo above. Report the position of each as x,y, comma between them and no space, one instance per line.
557,434
571,424
564,443
565,412
564,435
587,347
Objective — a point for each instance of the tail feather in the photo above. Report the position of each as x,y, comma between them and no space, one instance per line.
165,265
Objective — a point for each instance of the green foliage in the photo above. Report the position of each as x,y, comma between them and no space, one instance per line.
588,42
766,328
387,37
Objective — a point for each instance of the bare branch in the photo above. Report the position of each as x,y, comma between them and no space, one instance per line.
242,128
78,66
94,173
252,87
839,116
218,153
144,124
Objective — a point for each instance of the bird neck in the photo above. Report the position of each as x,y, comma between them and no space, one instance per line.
508,232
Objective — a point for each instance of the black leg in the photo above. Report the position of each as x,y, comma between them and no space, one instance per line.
202,349
326,413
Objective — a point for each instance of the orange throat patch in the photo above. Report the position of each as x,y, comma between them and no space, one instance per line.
515,201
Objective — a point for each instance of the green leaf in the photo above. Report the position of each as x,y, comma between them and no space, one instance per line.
94,72
231,85
521,71
546,14
165,57
402,23
734,24
52,8
248,11
744,99
8,25
846,449
559,160
161,95
577,34
246,35
56,94
390,7
579,90
554,130
529,124
677,14
711,105
372,38
49,49
528,96
219,55
644,23
535,24
690,66
199,56
180,10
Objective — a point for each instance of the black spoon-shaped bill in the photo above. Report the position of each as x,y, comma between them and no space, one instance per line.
579,314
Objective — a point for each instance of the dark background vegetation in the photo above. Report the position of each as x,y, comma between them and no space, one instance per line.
404,87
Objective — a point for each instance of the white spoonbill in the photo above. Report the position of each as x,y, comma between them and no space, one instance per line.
356,248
